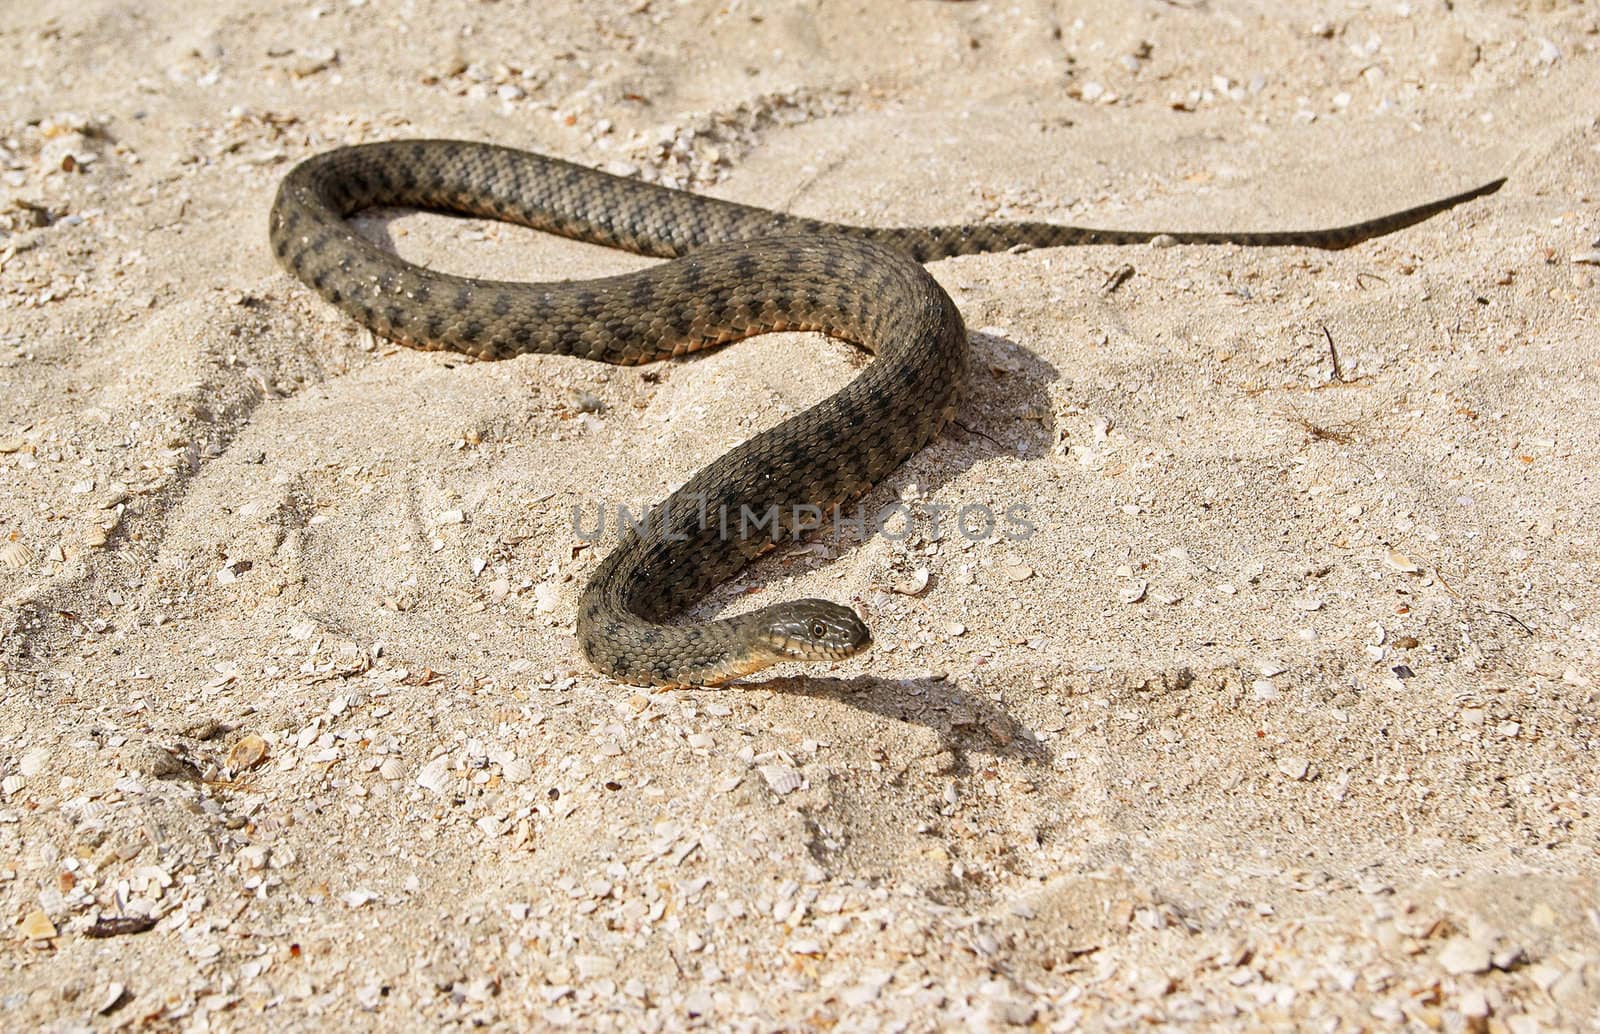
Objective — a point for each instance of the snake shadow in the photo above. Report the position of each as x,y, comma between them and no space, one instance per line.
1005,417
965,722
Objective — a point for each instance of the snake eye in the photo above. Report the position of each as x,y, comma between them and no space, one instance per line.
818,630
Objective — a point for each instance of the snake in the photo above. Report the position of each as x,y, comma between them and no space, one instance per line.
735,271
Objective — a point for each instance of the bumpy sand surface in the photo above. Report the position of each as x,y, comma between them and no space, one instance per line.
1284,717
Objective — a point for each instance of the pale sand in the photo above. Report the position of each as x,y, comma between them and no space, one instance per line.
1283,719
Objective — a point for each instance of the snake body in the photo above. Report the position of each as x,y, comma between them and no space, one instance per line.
738,271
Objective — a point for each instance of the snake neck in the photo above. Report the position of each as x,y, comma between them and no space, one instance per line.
638,651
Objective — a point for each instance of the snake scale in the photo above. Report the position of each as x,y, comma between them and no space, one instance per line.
738,271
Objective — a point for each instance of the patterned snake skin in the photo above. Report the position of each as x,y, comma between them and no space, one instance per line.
739,271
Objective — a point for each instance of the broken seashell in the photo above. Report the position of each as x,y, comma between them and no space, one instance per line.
247,753
781,778
1402,563
516,770
913,584
15,556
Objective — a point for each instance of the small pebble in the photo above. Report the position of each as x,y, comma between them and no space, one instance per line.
312,60
1462,955
253,857
1295,768
36,926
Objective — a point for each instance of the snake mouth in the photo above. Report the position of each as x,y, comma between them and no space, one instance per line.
823,654
832,653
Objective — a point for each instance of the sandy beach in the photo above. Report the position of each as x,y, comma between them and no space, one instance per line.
1280,717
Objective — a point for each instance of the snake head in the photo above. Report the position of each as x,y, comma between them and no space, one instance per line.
813,630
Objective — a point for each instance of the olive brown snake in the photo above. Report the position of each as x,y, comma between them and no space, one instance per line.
738,271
